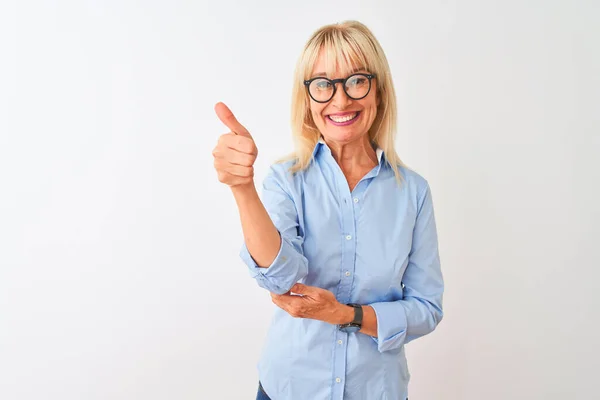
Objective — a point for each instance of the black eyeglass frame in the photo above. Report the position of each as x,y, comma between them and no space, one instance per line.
334,84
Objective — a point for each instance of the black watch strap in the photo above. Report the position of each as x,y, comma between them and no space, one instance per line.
358,314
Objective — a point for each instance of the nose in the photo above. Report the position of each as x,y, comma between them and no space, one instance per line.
340,100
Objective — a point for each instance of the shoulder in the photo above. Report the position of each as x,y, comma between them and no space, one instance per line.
418,188
280,176
414,181
282,171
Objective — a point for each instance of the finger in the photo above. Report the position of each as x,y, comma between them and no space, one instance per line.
243,159
280,296
227,117
300,288
241,171
277,301
290,304
223,165
239,143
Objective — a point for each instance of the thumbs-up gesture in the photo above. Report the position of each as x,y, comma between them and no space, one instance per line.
235,152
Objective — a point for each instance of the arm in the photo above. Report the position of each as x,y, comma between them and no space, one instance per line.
272,247
420,311
260,235
369,322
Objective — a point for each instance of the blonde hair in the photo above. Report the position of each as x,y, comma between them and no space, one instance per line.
347,44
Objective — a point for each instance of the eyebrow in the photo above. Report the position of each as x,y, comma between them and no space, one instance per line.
355,70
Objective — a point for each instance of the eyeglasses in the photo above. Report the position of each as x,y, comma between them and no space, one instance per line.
356,86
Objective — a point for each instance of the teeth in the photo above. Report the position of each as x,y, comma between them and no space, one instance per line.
344,118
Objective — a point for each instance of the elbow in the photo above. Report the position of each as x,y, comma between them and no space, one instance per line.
436,316
435,310
280,279
302,269
431,316
300,272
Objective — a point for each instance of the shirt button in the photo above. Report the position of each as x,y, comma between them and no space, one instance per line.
356,199
348,237
339,342
347,273
338,380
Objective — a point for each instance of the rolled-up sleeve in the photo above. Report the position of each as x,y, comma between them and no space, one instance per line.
290,265
420,311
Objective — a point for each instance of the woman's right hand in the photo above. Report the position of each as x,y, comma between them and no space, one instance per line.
235,152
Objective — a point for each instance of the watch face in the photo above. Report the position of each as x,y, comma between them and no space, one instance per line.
350,329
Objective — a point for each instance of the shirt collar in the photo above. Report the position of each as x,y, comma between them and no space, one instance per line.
321,143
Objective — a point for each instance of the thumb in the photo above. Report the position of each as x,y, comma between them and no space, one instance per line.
227,117
300,288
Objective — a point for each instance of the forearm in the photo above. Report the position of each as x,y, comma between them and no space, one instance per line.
369,322
260,234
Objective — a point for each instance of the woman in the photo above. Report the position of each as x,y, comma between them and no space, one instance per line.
345,237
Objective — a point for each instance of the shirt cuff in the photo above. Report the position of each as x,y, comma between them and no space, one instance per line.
391,325
285,270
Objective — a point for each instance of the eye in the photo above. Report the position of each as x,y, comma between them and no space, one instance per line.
357,80
322,84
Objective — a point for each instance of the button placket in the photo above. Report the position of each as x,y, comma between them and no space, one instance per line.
348,257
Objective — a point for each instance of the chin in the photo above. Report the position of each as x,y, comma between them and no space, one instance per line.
341,136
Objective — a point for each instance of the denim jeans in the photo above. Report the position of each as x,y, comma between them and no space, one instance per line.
262,395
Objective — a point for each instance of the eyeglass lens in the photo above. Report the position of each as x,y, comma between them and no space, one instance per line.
356,87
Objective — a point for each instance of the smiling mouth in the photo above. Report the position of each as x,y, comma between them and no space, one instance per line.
344,118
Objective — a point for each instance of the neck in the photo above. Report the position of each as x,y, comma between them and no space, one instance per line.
354,156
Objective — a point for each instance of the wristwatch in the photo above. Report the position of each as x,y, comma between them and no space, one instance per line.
356,323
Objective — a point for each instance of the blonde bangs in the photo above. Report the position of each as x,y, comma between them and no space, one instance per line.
342,55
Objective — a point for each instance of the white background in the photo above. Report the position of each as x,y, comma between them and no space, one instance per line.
119,268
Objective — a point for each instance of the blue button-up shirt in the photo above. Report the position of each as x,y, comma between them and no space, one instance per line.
375,245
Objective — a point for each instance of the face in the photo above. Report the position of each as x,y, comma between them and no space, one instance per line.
342,119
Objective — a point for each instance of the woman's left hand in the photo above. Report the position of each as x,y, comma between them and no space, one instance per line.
314,303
